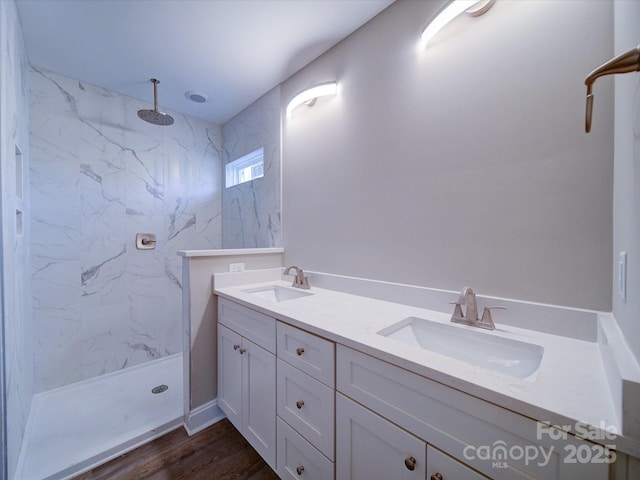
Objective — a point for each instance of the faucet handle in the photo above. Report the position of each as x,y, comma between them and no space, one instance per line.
303,281
457,311
495,308
486,316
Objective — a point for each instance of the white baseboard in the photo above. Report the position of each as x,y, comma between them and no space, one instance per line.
202,417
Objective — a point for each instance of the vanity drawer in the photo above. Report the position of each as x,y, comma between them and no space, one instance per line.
308,406
253,325
295,455
311,354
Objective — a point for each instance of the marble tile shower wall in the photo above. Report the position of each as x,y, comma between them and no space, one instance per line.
99,175
14,132
251,211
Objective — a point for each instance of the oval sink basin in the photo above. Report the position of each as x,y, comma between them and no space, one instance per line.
503,355
277,293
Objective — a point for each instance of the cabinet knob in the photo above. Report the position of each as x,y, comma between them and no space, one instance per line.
437,476
299,404
410,463
299,351
235,347
299,469
242,350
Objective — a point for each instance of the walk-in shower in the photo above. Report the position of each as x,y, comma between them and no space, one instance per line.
76,427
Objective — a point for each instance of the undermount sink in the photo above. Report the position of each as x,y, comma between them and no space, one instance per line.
277,293
503,355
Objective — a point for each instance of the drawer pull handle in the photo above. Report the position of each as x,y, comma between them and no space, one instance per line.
437,476
299,404
242,350
299,469
235,347
299,351
410,463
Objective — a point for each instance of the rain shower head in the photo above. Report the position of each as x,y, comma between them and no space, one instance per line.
155,116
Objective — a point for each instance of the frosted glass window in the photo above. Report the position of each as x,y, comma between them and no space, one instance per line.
246,168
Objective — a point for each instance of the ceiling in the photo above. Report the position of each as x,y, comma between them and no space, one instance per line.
234,51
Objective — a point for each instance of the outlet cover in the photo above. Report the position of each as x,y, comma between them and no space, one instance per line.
236,267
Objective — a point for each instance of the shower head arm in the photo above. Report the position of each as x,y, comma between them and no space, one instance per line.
155,93
624,63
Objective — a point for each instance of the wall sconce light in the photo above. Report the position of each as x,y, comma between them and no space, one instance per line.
309,97
474,8
624,63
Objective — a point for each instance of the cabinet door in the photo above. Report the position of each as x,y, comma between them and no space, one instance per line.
259,400
230,375
368,446
447,467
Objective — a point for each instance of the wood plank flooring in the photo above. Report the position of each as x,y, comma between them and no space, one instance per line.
218,452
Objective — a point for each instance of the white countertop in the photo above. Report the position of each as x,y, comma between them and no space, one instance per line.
228,251
570,385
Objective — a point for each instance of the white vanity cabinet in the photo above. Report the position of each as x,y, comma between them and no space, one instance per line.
247,375
317,410
305,405
479,438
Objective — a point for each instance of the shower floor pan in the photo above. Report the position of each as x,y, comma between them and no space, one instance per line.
74,428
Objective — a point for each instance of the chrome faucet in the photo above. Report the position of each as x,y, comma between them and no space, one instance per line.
300,281
470,316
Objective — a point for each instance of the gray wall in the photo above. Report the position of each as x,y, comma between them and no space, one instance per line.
14,256
463,164
626,213
251,210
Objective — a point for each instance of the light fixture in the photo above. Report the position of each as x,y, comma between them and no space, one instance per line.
310,96
624,63
474,8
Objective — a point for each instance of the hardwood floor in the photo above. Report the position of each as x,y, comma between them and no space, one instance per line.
218,452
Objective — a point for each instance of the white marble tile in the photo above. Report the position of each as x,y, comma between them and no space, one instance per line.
99,176
18,350
251,211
